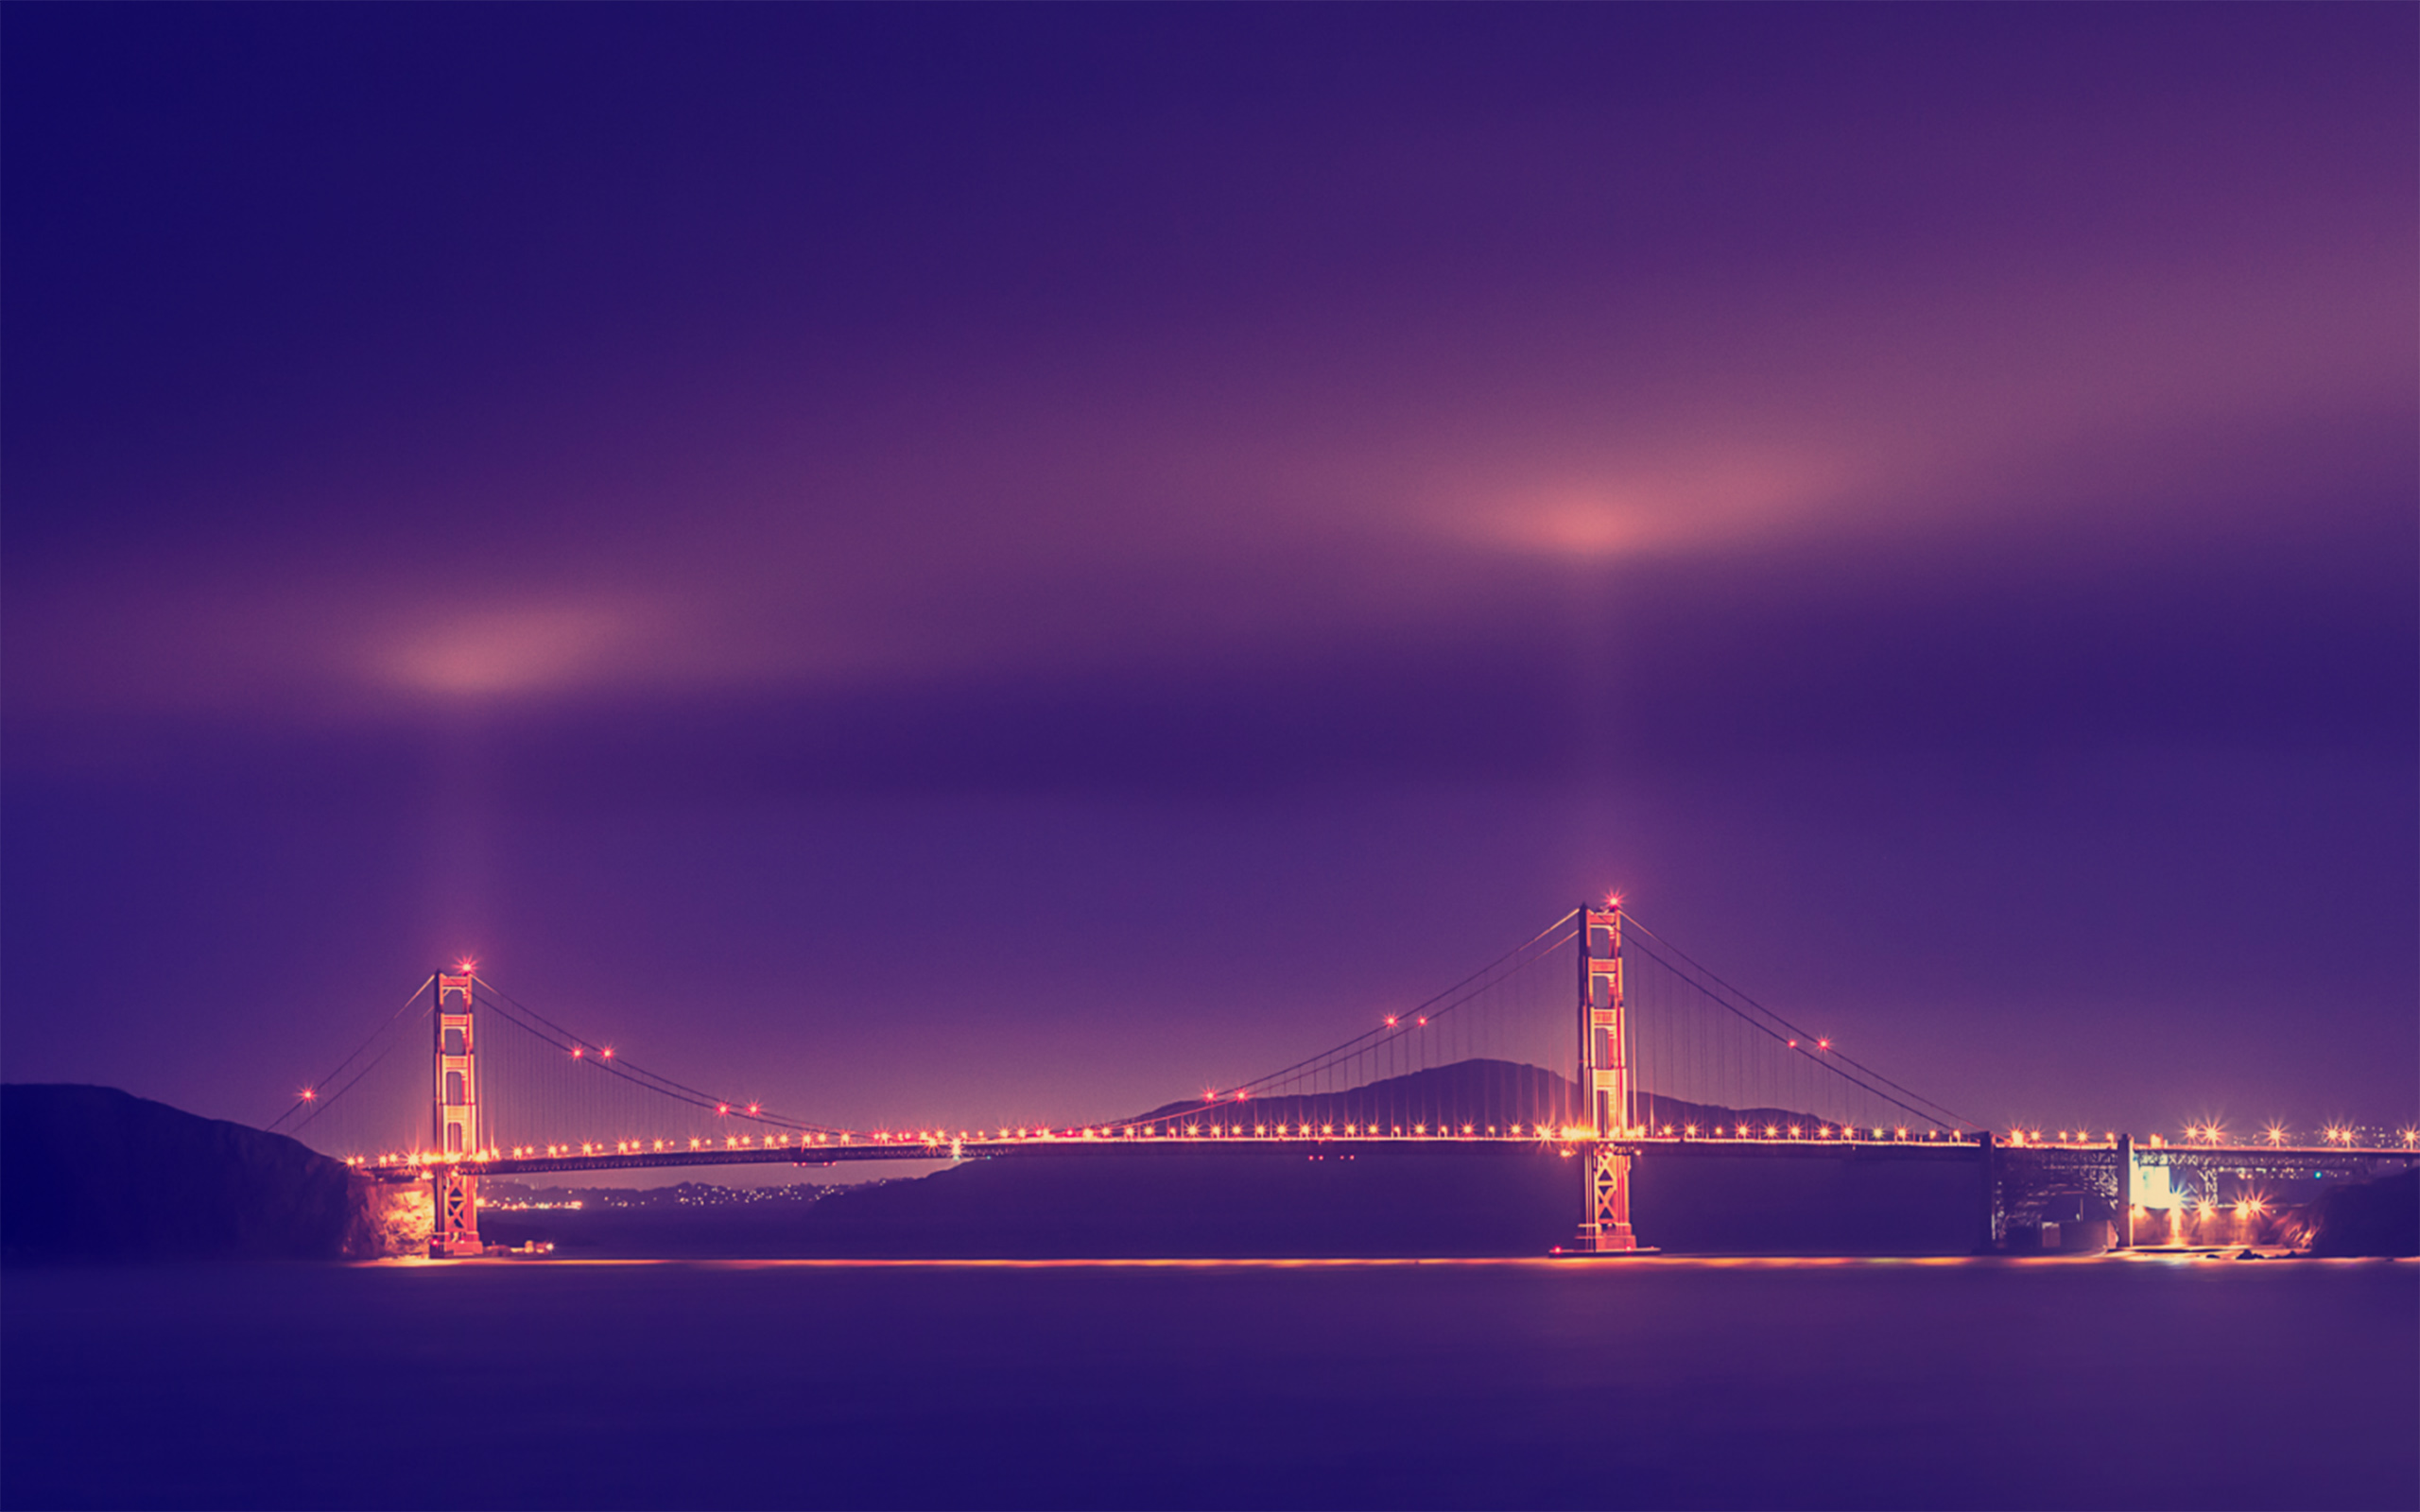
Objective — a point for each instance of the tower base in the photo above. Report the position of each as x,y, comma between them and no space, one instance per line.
1610,1239
456,1234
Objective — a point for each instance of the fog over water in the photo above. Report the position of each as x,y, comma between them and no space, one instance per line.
2141,1381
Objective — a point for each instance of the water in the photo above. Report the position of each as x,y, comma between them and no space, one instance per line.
2132,1381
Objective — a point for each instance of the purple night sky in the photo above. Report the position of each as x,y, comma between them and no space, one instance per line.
998,564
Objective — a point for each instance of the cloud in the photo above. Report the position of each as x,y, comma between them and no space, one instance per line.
491,652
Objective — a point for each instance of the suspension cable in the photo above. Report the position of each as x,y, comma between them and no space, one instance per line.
1390,1031
1938,1110
639,1077
1797,1046
323,1102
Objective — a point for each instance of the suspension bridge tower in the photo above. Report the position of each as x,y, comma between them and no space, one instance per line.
1604,1076
453,1176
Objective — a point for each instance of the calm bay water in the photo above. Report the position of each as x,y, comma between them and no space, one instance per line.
2138,1382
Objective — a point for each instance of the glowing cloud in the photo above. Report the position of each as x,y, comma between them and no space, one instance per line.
493,652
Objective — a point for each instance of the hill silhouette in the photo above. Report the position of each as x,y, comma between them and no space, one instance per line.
1480,1093
91,1174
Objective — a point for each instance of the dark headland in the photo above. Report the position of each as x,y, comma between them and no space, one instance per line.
91,1174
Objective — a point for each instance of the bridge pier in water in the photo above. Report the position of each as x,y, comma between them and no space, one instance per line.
2122,1231
455,1232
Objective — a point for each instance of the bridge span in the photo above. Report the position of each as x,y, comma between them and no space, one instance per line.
1705,1073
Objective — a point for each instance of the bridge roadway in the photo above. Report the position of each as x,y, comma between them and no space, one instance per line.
629,1155
2247,1160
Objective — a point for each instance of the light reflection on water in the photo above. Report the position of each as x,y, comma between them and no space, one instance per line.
1644,1262
2167,1379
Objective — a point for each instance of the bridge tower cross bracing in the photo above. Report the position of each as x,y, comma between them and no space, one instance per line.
456,1230
1604,1078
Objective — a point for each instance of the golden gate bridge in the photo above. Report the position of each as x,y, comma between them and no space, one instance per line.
1595,1037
